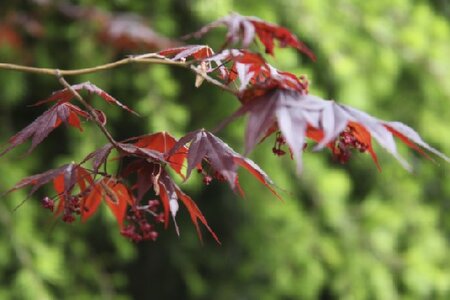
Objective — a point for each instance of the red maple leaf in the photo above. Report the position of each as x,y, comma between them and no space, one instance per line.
65,95
90,203
245,28
163,142
246,66
255,75
65,180
64,185
38,180
170,194
150,147
86,201
147,152
146,175
99,157
206,147
116,196
79,194
40,128
274,79
131,150
299,116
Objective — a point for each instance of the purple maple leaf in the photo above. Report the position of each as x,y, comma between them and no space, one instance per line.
299,116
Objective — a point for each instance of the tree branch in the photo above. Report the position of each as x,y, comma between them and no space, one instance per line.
149,58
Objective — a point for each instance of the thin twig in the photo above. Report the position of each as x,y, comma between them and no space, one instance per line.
149,58
208,78
125,61
48,71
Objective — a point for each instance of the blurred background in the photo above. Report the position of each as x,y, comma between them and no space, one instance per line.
343,231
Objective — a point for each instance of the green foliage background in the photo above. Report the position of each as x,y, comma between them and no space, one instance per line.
343,232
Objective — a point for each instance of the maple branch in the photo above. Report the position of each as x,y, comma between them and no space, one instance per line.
90,109
149,58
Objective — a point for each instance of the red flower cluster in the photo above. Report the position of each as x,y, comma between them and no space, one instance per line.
139,227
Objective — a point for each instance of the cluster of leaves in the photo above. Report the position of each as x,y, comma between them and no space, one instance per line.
143,194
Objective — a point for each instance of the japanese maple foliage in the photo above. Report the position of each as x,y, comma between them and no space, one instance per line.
245,28
221,160
65,95
337,126
40,128
141,193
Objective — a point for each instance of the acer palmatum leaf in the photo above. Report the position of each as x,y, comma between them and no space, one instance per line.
99,157
90,203
195,214
66,95
146,173
411,138
87,200
257,172
152,175
40,128
261,111
64,185
203,146
267,33
274,79
38,180
206,147
117,197
128,149
300,116
64,179
170,194
163,142
255,75
165,188
244,29
246,66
